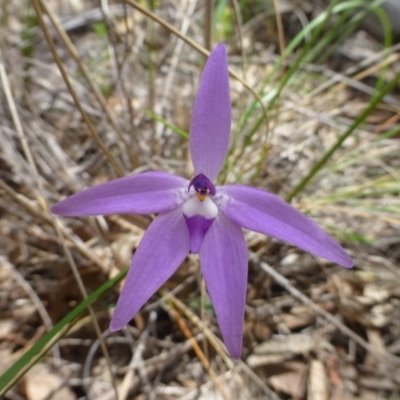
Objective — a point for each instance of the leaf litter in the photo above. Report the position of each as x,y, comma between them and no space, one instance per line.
290,349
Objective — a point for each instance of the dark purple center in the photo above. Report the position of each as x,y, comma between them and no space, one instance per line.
202,185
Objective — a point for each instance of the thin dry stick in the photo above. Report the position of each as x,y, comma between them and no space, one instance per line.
215,342
196,46
29,364
34,298
281,34
84,294
239,22
52,220
208,25
58,227
137,361
35,210
203,298
39,196
105,11
281,280
200,355
344,79
373,69
218,345
20,132
174,63
86,73
71,90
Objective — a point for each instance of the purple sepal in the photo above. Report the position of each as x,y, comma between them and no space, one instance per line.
260,211
145,193
223,261
198,227
162,249
211,118
202,185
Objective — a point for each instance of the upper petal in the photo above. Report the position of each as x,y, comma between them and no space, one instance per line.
163,248
211,118
260,211
145,193
223,259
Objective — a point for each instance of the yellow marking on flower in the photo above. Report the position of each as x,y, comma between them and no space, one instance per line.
201,197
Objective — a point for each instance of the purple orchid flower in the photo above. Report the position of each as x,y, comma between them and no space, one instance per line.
196,216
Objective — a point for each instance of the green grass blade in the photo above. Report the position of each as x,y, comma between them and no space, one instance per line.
359,120
43,345
173,127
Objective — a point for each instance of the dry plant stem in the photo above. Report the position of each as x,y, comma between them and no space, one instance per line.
281,280
34,298
218,345
21,135
203,297
344,79
21,199
196,46
281,34
174,63
349,211
88,362
151,67
203,359
105,11
137,358
71,90
95,89
373,69
208,25
43,204
20,132
140,348
239,21
52,220
35,210
37,357
127,50
160,362
214,341
83,291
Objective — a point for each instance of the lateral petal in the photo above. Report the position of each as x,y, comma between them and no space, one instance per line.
145,193
164,246
211,118
223,260
263,212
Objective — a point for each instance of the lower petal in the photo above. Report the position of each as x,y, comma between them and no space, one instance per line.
223,259
163,248
198,227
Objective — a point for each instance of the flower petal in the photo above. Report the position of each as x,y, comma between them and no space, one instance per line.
198,227
263,212
223,259
163,248
211,118
145,193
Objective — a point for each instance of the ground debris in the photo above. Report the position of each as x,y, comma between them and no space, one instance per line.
291,351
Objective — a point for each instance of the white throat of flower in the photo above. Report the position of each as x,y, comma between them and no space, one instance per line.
205,208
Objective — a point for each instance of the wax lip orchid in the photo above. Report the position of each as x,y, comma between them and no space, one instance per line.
196,216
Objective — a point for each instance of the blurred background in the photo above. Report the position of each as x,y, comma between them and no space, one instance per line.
94,90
